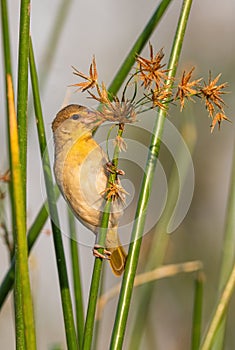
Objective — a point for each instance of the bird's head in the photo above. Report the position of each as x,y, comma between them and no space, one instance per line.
75,121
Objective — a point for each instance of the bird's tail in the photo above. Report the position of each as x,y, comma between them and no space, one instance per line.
118,254
118,260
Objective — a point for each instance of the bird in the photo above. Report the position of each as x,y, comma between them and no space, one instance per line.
82,177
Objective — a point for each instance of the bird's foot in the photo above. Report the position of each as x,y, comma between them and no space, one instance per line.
111,168
106,254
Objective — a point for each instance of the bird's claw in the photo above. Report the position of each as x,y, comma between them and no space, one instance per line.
106,254
113,170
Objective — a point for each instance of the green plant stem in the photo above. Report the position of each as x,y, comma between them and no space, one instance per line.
59,20
77,286
219,312
6,51
227,251
33,234
20,340
25,329
53,40
22,94
160,240
98,320
22,101
6,40
8,71
133,253
94,287
95,282
197,311
58,244
137,47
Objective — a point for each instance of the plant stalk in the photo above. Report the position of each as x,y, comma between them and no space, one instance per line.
134,249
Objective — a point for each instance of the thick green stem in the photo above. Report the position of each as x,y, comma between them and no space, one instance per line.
133,254
25,329
22,101
160,240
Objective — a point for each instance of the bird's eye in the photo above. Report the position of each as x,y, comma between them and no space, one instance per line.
75,116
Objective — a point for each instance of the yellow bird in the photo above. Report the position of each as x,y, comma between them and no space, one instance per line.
82,177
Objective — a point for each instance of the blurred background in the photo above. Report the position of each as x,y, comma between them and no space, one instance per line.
108,29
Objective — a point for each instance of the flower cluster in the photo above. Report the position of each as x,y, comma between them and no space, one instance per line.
211,93
112,108
151,76
150,70
187,89
158,91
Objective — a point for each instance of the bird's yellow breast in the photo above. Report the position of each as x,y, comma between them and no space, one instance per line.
82,178
80,150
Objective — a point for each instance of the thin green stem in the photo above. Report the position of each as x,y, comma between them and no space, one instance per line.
134,249
137,47
53,40
22,94
58,244
219,312
59,20
98,320
77,286
6,39
8,71
227,251
95,282
197,311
